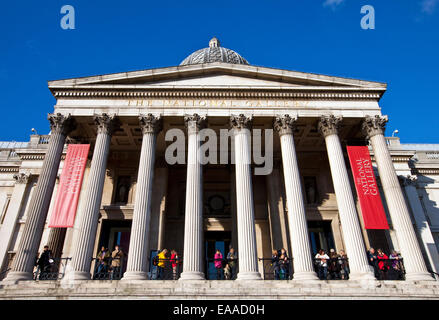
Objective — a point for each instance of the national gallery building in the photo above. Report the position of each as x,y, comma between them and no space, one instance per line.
281,179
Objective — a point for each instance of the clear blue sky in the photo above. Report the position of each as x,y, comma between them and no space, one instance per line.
309,36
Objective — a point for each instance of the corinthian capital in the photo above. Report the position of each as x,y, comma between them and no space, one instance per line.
21,177
106,123
150,123
329,125
194,122
60,123
285,124
241,122
374,125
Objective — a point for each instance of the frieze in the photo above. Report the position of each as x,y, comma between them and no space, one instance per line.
220,96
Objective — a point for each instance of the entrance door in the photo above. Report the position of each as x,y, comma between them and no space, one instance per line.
116,232
215,240
320,233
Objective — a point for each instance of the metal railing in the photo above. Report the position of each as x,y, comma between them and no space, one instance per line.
108,269
389,269
276,269
165,269
221,269
54,270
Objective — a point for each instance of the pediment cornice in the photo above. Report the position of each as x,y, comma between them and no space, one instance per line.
154,82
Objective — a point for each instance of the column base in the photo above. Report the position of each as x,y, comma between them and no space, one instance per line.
15,276
419,276
134,275
76,275
304,276
251,275
192,275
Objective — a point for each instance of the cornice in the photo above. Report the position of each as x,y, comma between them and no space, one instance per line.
422,171
232,93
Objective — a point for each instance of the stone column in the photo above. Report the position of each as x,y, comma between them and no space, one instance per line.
301,249
414,263
139,240
352,235
88,215
247,255
410,183
24,261
16,205
193,222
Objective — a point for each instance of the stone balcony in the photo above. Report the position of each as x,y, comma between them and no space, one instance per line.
219,290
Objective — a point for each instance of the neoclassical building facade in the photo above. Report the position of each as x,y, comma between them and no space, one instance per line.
134,196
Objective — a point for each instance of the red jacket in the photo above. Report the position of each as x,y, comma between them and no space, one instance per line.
382,265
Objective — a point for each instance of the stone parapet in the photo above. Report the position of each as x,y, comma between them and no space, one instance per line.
208,290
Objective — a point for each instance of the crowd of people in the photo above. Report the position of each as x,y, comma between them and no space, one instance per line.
225,267
332,267
386,267
109,263
281,264
160,262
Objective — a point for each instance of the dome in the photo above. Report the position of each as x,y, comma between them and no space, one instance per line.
214,53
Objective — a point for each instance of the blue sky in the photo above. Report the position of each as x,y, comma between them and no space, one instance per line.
319,36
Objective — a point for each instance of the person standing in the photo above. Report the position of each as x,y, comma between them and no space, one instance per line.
373,261
322,261
232,258
218,262
382,264
161,263
334,265
275,264
395,272
44,263
344,264
174,263
116,262
102,260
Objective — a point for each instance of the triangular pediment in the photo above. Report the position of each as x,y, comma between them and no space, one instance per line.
215,75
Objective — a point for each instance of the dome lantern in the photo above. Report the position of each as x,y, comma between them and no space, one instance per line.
214,53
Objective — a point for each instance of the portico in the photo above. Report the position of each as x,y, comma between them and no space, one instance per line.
126,118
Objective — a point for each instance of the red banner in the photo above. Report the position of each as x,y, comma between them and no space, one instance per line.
365,183
66,202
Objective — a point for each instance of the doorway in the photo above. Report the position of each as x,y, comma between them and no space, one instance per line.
116,232
321,237
215,240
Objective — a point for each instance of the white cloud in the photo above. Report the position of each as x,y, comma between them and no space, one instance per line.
427,6
334,3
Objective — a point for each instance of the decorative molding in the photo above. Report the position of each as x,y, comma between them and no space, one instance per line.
22,177
194,122
107,124
61,124
285,124
150,124
423,171
230,93
329,125
9,169
372,126
241,122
